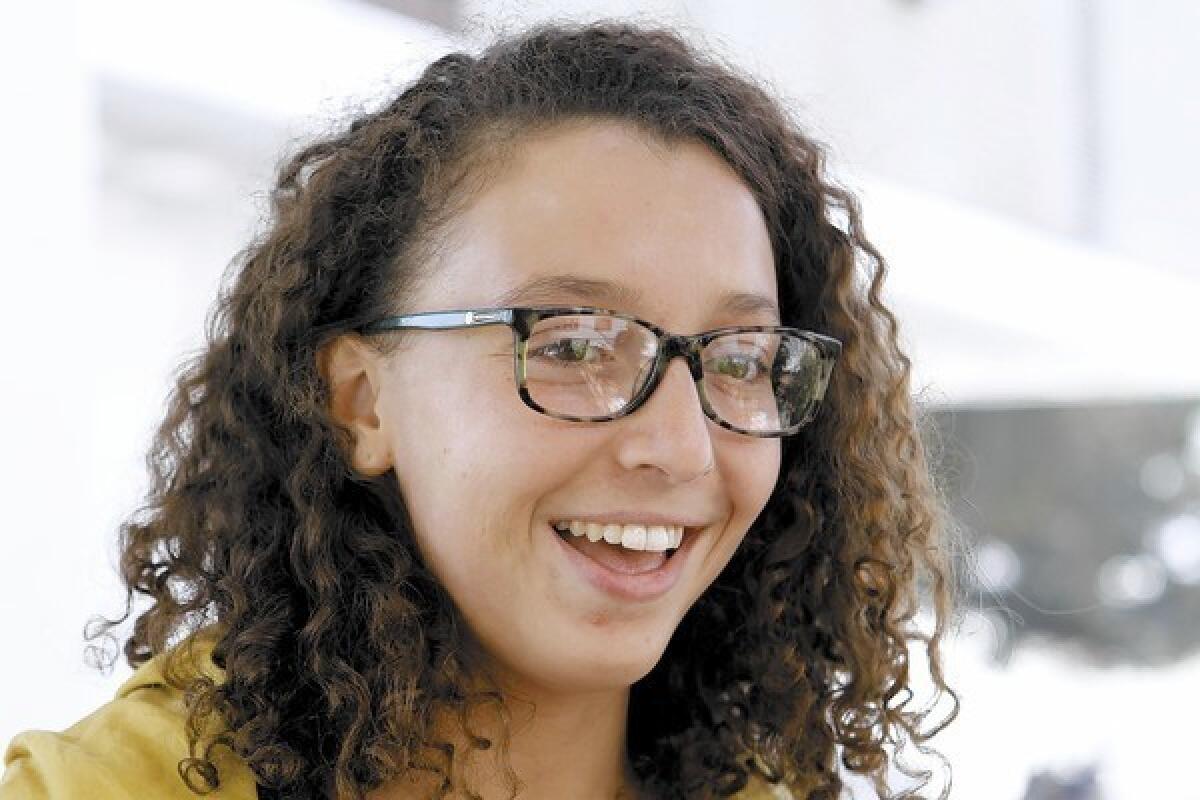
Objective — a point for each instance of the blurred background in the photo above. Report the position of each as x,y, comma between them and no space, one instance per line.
1028,168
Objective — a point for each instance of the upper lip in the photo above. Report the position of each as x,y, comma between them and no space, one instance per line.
632,517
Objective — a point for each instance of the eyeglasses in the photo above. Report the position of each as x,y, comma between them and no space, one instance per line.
587,364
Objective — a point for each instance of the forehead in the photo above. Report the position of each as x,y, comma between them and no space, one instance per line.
612,294
599,214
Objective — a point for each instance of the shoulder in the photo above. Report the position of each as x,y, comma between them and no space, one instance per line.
127,749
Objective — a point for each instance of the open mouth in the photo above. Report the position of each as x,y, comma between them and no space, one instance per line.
629,557
626,574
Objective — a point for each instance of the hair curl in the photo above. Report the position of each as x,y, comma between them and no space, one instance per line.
338,643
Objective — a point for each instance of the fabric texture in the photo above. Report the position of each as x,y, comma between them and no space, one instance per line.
130,748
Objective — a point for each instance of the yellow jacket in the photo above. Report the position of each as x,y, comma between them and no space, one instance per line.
128,749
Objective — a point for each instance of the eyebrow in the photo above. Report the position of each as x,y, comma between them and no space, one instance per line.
590,290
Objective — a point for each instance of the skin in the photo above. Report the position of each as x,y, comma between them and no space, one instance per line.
483,474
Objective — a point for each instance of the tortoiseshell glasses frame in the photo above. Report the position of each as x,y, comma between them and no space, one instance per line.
522,320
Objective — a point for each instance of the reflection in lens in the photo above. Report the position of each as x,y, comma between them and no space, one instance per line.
587,365
777,387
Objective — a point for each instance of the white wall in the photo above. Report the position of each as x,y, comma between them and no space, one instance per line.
54,298
1077,117
1150,126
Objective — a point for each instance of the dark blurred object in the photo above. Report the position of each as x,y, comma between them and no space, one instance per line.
1085,521
443,13
1083,785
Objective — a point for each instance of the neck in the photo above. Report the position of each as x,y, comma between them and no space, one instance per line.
568,745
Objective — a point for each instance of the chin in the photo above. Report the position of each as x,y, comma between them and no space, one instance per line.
609,664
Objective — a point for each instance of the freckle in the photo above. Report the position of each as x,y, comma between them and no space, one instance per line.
598,619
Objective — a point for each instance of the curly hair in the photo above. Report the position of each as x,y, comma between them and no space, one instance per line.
338,644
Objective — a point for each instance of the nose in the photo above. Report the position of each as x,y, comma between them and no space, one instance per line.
670,431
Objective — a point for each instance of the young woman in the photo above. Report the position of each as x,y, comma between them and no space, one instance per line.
551,443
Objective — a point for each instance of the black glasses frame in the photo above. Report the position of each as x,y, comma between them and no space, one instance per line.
522,320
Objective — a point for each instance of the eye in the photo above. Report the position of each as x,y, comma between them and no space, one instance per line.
740,366
572,350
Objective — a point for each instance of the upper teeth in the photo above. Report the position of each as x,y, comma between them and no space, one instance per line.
632,537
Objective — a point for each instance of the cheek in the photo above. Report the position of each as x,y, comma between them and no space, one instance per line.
757,471
752,477
471,466
468,524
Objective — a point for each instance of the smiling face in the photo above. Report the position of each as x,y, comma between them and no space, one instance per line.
484,476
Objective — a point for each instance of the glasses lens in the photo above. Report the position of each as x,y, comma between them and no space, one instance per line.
587,366
592,366
764,382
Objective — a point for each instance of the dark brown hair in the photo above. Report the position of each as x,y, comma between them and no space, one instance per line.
336,641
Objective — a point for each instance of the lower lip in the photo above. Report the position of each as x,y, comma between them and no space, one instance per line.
631,588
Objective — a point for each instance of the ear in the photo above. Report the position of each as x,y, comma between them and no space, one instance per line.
353,372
